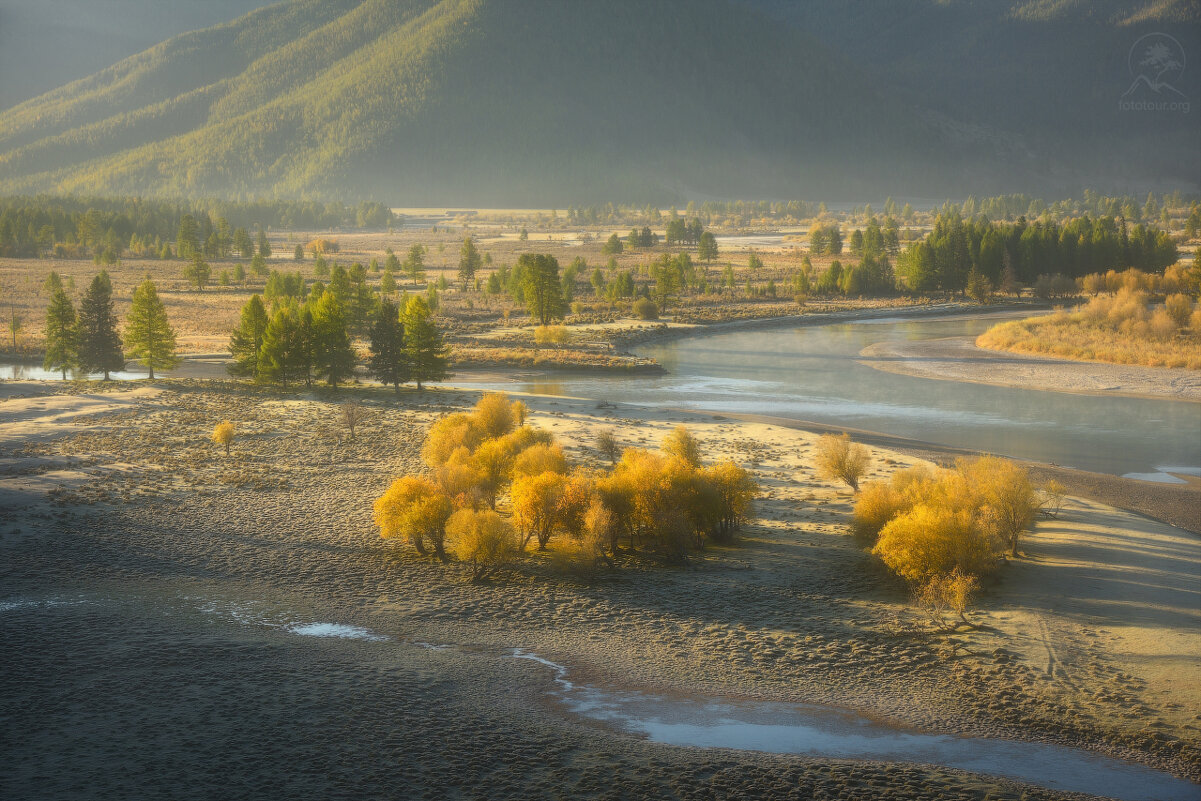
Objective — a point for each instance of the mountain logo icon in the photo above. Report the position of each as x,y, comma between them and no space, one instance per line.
1156,62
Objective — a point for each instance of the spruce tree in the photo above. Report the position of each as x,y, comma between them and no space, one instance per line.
61,333
469,262
247,340
389,362
148,334
99,343
333,357
423,341
282,356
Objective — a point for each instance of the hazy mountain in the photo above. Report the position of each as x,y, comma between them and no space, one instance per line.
499,101
46,44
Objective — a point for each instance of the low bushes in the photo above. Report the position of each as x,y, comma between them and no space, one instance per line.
927,525
658,502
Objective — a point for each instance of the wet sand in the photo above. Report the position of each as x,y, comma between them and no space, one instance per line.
154,591
959,359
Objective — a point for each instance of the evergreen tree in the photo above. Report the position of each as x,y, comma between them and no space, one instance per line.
246,343
542,288
423,341
706,249
147,332
469,262
242,243
414,266
99,343
613,246
197,272
298,254
52,284
264,247
187,240
387,282
389,362
333,356
61,334
281,360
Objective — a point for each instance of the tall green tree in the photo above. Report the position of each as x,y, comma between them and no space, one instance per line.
282,357
542,288
469,261
264,247
242,243
333,356
389,362
414,265
148,334
246,342
187,239
61,334
706,249
423,341
197,272
99,343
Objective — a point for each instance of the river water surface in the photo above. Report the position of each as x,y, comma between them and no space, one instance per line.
812,373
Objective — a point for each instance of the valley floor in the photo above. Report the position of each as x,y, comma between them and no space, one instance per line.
154,594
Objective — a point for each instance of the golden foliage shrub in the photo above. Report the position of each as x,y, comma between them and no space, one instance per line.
448,434
681,444
535,501
928,541
540,458
484,541
1179,307
551,335
494,415
223,435
414,508
839,459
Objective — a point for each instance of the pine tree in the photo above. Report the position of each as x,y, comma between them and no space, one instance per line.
389,362
148,334
246,343
333,357
387,283
281,359
469,262
61,334
414,265
423,341
242,243
264,247
543,290
99,343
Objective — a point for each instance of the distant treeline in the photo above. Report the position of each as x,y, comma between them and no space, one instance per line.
34,226
1021,252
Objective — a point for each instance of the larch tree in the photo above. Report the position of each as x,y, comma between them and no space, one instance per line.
414,265
543,289
333,356
148,334
389,361
423,341
99,343
469,261
61,334
281,359
246,342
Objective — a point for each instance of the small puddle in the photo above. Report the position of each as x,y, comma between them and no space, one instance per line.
809,730
338,630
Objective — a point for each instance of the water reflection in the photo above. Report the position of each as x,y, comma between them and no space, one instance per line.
812,373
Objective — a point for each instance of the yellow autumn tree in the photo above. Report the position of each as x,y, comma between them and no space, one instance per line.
223,435
414,508
483,540
536,505
839,459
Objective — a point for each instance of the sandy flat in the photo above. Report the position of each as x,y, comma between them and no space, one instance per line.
959,359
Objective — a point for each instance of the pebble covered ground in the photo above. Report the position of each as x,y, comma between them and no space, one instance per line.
148,613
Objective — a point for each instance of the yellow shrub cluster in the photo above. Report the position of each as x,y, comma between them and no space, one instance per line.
925,524
664,501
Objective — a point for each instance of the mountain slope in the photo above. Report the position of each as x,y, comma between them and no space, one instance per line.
495,101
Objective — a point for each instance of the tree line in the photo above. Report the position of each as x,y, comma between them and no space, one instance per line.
299,342
68,227
1019,253
88,342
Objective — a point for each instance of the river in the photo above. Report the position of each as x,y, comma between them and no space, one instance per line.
812,373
